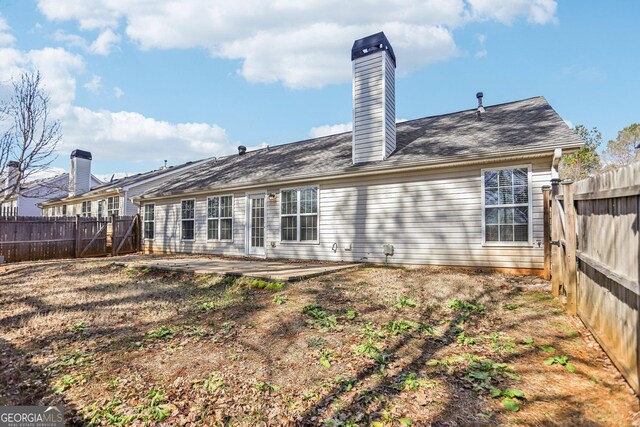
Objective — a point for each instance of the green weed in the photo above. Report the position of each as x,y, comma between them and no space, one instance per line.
511,398
162,333
561,360
280,299
326,356
213,383
368,348
320,317
404,302
397,327
511,306
370,332
77,327
264,386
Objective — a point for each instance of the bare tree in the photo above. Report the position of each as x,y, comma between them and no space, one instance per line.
30,137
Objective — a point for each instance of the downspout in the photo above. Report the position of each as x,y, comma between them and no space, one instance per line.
557,156
124,202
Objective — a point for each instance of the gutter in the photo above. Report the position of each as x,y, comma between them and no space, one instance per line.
336,176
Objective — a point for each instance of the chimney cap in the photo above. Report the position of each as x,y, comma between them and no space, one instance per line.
81,154
479,95
371,44
13,164
241,150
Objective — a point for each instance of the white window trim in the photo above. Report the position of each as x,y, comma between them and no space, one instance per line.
530,209
85,212
108,211
298,215
189,219
220,218
144,220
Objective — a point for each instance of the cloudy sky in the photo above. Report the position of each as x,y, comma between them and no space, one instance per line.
137,82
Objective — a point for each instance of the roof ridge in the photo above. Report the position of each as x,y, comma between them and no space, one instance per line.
308,140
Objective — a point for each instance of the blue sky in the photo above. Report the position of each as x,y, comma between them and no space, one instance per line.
138,82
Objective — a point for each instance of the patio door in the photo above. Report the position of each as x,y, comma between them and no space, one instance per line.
256,225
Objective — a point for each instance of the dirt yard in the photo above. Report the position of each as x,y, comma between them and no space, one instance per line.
367,347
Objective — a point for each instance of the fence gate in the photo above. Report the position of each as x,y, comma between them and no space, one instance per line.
596,260
125,235
91,237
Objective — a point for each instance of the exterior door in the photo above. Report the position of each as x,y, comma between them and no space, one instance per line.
256,225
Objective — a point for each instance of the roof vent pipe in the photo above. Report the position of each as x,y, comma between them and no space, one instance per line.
242,150
480,109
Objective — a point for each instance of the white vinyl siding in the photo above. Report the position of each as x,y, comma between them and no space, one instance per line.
430,217
507,205
220,218
299,215
188,219
149,217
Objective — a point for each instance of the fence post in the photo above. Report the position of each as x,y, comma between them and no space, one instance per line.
139,233
113,235
78,237
555,236
570,238
547,232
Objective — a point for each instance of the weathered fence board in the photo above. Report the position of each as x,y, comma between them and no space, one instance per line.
125,235
41,238
606,243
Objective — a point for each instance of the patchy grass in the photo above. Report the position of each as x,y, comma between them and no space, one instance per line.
369,347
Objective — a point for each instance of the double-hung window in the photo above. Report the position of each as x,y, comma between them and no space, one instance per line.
86,208
299,215
149,220
188,219
113,206
64,210
507,205
100,209
220,218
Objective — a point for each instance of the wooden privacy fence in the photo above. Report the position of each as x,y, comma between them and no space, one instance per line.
40,238
595,260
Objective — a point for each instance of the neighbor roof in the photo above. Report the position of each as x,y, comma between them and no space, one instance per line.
127,181
517,128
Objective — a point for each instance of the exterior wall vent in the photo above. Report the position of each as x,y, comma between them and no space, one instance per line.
374,99
80,173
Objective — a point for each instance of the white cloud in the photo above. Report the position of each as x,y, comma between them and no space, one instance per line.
110,135
507,11
46,173
117,92
119,135
481,38
325,130
481,53
105,43
6,38
300,44
94,84
71,40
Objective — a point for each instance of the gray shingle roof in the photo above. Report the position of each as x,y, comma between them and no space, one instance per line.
516,128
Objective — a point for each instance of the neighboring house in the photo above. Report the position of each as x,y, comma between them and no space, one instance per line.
456,189
111,198
26,201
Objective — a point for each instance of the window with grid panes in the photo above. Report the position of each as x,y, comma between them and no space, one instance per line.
299,215
188,219
113,206
149,220
220,218
506,205
86,209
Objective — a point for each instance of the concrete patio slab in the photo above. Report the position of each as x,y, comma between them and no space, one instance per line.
262,269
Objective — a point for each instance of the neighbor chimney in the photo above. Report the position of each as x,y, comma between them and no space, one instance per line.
80,173
241,150
374,98
11,177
